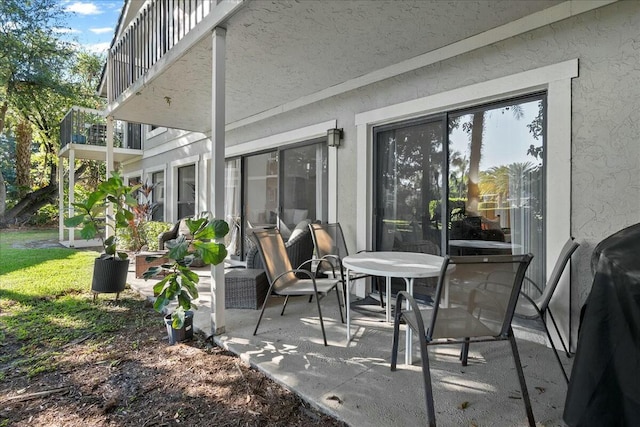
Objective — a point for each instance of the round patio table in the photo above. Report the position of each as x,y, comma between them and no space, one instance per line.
403,265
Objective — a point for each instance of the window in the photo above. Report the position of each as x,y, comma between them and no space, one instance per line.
482,191
260,190
157,196
232,200
278,188
186,191
303,186
134,180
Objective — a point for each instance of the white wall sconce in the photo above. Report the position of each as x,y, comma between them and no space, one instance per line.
333,137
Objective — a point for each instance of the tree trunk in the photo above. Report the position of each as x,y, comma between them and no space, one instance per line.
28,205
3,195
23,157
3,113
473,189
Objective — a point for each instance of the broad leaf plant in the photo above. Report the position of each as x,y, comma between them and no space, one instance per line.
180,282
91,213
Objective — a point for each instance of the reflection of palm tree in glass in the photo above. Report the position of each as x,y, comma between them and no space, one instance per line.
475,128
459,162
507,182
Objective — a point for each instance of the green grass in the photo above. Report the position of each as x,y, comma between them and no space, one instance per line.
46,302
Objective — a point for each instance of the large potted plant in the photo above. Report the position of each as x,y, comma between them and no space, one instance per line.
111,267
180,282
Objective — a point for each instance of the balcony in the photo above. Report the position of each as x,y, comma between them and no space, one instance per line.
159,26
85,131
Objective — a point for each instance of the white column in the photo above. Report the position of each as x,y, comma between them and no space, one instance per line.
72,183
60,199
216,199
109,169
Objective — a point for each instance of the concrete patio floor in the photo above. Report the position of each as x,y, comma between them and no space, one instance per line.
353,381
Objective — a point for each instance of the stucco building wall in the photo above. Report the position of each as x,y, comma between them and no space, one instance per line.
605,118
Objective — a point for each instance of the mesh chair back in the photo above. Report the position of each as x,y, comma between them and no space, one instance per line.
565,255
477,296
328,239
275,258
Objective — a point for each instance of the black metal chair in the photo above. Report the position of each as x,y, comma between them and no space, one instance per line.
476,297
538,308
330,248
284,280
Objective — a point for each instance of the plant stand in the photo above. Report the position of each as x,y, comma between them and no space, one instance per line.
109,276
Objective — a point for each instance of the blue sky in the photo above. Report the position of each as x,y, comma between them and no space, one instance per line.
92,23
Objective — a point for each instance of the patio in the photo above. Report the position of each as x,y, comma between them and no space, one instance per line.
354,382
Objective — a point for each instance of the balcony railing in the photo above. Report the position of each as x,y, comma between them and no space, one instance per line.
86,126
159,26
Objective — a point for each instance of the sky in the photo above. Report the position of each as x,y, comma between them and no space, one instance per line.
92,23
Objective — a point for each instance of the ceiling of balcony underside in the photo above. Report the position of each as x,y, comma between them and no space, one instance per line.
278,52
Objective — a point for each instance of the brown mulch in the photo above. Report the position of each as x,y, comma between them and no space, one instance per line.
138,379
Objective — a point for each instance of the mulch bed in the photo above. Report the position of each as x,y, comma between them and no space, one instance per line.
137,379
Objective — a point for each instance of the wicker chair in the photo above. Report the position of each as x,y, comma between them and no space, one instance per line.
299,248
179,228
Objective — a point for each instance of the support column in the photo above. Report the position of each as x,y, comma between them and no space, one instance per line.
60,199
72,183
216,199
109,168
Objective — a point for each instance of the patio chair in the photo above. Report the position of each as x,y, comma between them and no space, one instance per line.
283,278
537,308
476,297
299,248
331,247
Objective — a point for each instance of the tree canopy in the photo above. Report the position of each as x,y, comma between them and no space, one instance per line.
42,75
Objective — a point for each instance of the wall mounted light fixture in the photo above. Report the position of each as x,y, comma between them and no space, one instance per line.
333,137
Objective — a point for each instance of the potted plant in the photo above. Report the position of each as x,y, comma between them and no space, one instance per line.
111,267
180,282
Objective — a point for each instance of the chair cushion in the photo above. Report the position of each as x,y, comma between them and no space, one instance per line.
184,230
300,228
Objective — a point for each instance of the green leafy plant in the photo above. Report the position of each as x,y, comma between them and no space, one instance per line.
180,282
91,213
149,232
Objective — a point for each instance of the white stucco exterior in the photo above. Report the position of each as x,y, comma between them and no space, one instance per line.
594,123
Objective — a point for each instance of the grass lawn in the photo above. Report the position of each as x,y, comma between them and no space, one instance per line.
65,360
45,299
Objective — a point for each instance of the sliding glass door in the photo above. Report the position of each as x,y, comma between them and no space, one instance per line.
303,189
466,182
496,180
409,186
186,191
276,189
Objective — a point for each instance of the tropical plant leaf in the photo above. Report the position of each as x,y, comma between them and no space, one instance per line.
93,198
211,252
74,221
178,248
194,225
177,318
189,274
151,272
191,288
89,231
110,249
161,302
220,227
158,287
184,300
